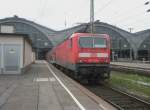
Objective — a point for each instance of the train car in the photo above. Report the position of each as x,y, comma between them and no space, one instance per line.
86,54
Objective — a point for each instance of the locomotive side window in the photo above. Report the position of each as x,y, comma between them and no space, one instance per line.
70,43
86,42
99,42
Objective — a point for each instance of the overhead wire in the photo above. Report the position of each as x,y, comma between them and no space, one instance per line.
127,11
101,9
110,2
118,15
137,24
128,18
104,7
41,9
138,21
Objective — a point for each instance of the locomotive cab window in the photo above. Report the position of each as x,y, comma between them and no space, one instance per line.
99,42
92,42
86,42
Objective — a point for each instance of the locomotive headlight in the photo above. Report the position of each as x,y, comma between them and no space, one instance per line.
80,61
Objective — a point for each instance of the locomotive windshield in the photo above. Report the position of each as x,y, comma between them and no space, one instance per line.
92,42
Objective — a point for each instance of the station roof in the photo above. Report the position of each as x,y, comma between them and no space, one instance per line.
34,30
142,36
59,36
44,29
55,37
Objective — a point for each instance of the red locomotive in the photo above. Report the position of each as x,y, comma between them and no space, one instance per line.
86,54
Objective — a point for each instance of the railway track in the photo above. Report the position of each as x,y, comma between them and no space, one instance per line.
135,70
122,101
119,99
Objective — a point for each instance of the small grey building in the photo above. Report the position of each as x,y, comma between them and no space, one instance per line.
38,34
16,53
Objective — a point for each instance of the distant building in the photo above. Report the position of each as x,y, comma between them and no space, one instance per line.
37,33
143,44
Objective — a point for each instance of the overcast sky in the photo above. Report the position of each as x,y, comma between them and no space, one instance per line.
52,13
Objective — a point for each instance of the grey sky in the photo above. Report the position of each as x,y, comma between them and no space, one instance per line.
52,13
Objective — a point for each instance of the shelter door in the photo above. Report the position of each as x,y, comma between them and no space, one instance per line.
12,58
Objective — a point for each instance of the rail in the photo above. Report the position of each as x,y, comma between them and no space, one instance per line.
119,99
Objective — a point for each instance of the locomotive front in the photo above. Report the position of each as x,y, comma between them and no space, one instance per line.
93,56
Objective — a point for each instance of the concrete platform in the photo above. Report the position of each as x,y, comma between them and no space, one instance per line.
139,68
44,87
134,65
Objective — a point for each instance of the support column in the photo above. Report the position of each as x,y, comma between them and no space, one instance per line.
113,56
135,54
149,55
37,53
131,54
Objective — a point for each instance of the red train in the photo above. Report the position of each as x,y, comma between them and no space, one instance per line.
86,54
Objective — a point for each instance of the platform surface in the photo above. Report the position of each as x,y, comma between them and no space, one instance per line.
39,89
133,65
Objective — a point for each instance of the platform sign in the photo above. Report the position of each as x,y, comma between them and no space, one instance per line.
12,54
